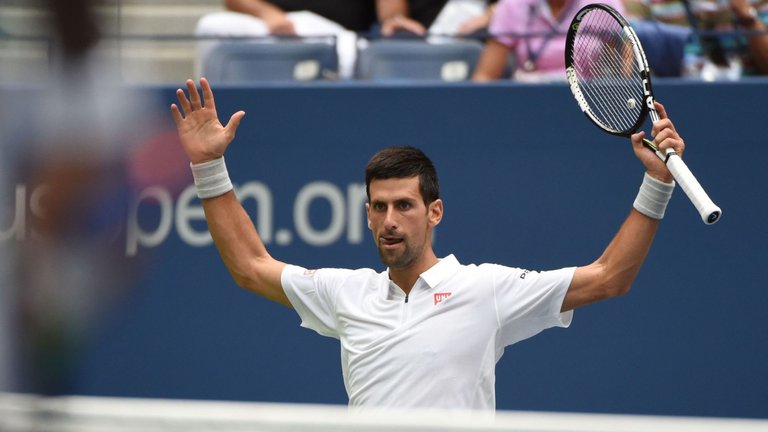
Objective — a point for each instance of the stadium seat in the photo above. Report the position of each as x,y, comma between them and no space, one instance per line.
664,45
398,60
242,62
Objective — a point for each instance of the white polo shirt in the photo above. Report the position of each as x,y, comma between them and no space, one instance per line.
437,347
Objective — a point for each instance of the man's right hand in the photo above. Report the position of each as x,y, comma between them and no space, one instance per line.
400,23
278,23
202,135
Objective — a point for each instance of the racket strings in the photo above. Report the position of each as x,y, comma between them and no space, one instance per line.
608,72
609,61
609,91
614,92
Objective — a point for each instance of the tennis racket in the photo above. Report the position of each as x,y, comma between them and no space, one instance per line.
610,79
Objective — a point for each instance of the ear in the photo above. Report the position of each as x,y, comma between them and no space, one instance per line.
435,212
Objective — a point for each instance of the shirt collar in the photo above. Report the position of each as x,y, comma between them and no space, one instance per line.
444,268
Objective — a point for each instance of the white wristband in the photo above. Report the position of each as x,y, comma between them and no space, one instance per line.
211,178
653,196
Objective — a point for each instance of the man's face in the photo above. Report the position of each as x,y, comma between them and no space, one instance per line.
400,222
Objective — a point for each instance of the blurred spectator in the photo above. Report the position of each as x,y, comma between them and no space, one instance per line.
69,143
434,17
344,19
305,18
755,24
353,15
464,18
7,264
407,17
726,38
534,32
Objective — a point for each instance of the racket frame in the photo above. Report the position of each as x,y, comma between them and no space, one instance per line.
646,107
709,212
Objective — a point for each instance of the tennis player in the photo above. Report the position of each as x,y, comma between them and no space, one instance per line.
426,332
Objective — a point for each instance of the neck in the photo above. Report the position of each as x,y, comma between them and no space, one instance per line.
406,277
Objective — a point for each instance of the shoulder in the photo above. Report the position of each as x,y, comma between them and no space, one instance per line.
502,275
499,270
327,285
328,277
328,272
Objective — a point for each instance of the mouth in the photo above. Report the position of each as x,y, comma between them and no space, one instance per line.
389,242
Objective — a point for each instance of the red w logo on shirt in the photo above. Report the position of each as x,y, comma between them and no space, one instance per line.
439,297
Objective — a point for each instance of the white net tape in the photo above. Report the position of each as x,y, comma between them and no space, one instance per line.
22,413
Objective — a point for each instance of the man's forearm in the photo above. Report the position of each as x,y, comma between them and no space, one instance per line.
388,9
626,253
241,247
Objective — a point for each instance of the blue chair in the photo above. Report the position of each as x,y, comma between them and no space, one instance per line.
409,59
664,45
248,61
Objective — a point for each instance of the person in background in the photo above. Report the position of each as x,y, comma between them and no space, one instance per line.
754,22
344,19
713,40
435,17
259,18
407,17
537,57
469,18
67,146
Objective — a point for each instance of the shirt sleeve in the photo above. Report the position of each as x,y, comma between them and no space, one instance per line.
528,302
312,294
503,23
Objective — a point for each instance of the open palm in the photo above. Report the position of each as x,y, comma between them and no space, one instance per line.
201,133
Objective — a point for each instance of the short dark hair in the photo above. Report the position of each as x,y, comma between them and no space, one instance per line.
404,162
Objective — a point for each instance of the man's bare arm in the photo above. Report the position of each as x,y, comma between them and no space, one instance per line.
614,272
241,248
205,139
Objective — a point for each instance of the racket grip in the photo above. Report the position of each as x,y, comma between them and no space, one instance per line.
709,212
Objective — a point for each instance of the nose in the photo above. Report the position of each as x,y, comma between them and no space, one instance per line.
390,223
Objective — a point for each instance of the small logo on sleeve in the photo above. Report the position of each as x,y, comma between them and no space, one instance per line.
439,297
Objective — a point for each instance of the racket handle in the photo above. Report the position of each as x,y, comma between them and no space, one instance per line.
710,213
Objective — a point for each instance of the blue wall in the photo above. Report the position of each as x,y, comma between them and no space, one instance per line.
527,181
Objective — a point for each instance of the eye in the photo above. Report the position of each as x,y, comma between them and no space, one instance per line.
378,206
404,205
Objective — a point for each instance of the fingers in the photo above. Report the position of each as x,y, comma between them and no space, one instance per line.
664,122
637,139
233,123
666,136
193,102
207,94
392,25
669,139
194,97
388,28
177,118
183,101
413,26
